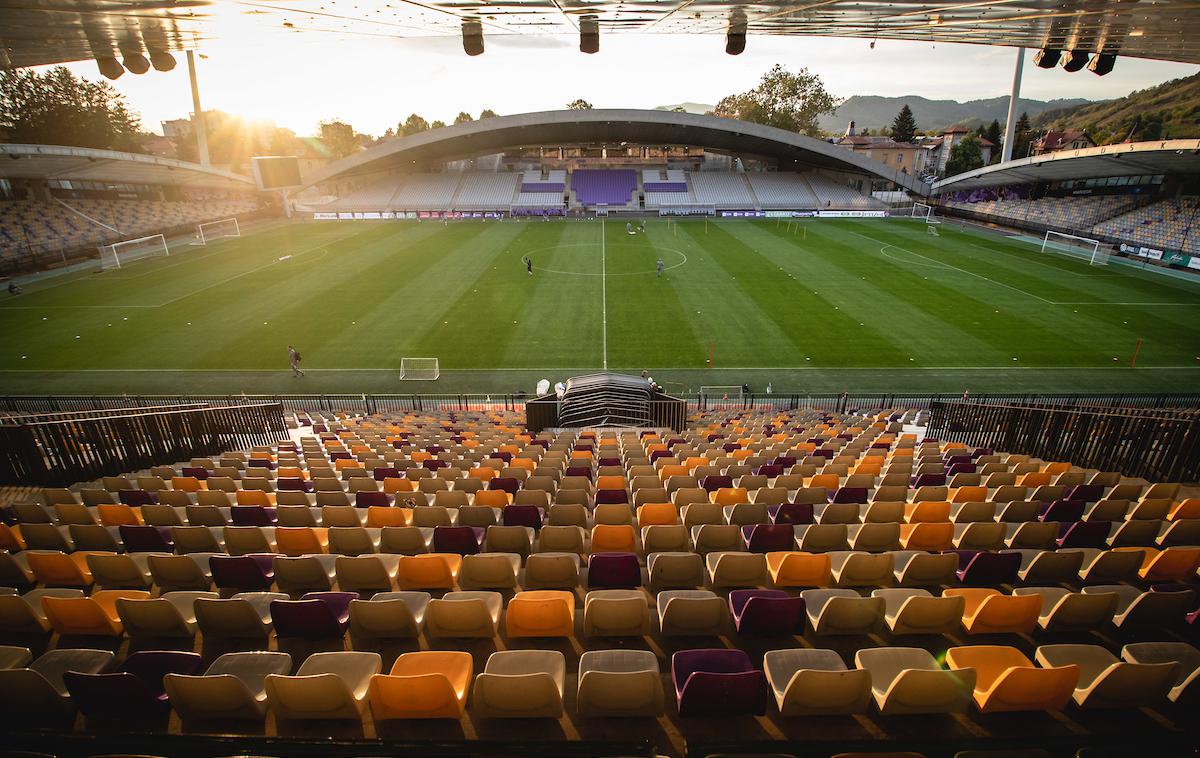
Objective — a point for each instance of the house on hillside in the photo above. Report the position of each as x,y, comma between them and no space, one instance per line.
906,157
1066,139
938,149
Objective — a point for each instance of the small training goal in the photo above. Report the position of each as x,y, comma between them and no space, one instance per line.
1093,250
214,230
925,213
713,392
120,254
419,369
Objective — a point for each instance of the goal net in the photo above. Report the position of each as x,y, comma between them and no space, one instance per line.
419,369
120,254
924,212
214,230
721,392
1076,246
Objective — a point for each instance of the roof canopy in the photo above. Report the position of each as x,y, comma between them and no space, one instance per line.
793,151
88,164
1174,157
34,32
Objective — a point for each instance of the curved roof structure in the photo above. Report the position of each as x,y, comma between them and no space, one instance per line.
89,164
36,32
614,127
1174,157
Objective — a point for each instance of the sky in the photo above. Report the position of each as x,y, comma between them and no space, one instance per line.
296,81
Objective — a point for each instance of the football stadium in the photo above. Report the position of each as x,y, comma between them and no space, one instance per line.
598,431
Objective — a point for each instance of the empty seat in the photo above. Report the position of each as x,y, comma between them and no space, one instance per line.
842,611
809,681
1066,611
717,682
540,613
232,688
464,614
619,683
1105,681
615,613
133,692
907,680
423,685
1005,680
916,611
327,686
389,615
1185,688
769,612
520,684
38,693
691,613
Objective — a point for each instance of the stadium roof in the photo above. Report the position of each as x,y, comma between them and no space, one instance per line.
34,32
1174,157
88,164
642,127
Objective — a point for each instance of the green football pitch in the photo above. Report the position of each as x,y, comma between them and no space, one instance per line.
819,305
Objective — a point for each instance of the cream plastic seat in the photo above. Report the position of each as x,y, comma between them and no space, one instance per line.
308,573
552,571
979,535
736,569
842,611
665,538
562,539
489,571
711,538
916,611
822,538
916,568
520,684
874,538
1109,566
233,687
389,615
366,574
38,693
675,570
172,614
246,615
852,568
1139,610
691,613
1105,681
908,680
1066,611
615,613
1047,567
619,683
327,686
1185,688
810,682
464,614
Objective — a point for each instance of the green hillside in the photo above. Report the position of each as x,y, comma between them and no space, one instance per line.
1170,110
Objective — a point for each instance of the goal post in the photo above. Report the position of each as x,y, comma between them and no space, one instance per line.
923,212
213,230
1076,246
721,392
122,253
419,369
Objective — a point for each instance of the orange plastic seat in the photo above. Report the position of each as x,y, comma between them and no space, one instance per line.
540,613
118,514
828,481
610,483
987,611
799,569
254,497
931,536
927,510
614,538
493,498
94,616
658,514
187,483
379,516
428,571
292,472
393,485
11,539
1186,509
693,462
730,496
429,684
1035,479
526,463
972,494
301,540
1054,469
1005,680
666,472
55,569
1174,564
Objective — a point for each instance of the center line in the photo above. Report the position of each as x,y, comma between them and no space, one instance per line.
603,301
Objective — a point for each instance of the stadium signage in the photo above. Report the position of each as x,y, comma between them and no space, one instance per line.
851,214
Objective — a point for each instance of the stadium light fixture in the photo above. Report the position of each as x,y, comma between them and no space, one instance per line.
109,67
1075,60
1102,63
735,38
161,59
472,32
134,61
589,34
1047,57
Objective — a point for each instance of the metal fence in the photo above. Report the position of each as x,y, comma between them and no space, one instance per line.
396,403
1159,445
63,451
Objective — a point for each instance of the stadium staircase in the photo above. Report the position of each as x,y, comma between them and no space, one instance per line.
750,188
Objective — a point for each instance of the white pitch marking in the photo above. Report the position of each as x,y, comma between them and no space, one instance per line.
603,300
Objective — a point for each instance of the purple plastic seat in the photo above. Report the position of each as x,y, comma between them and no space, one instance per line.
522,515
340,455
951,460
243,573
610,497
584,471
729,447
135,498
961,468
1086,534
503,455
433,464
718,682
659,454
260,463
316,615
146,539
766,612
769,538
507,483
252,515
856,495
791,513
464,540
1086,493
609,462
614,571
929,480
981,568
1062,511
369,499
769,470
822,453
197,472
716,482
136,691
436,449
784,461
293,484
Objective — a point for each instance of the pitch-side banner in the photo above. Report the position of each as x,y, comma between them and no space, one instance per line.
851,214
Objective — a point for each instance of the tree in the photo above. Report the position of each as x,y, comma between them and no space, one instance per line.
463,117
679,109
995,136
965,156
1023,137
58,108
487,113
579,105
782,99
338,138
904,127
414,124
437,125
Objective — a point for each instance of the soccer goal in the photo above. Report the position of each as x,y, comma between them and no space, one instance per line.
214,230
721,392
119,254
1076,246
419,369
925,213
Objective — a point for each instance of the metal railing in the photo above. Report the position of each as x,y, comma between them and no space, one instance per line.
63,451
1159,445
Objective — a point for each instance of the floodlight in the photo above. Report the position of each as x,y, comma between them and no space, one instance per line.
1102,63
1047,57
472,32
161,59
1075,60
735,38
109,67
589,34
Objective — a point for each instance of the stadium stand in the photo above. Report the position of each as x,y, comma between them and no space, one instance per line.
611,188
426,192
743,530
1168,223
831,194
722,190
483,192
782,190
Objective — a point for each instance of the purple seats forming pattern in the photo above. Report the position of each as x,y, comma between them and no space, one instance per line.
767,538
766,612
146,539
316,615
252,515
523,515
369,499
243,573
791,513
463,540
134,692
1085,534
603,186
718,682
614,571
985,569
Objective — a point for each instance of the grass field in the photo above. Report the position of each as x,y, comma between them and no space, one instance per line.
828,305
